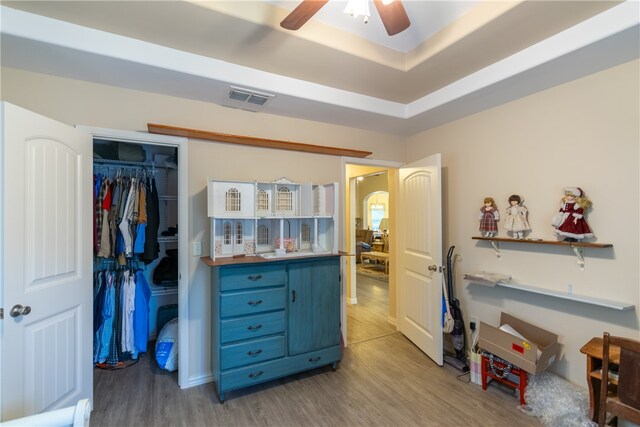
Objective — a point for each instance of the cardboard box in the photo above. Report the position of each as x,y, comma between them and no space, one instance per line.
521,353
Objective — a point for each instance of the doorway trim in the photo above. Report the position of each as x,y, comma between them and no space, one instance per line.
181,145
350,228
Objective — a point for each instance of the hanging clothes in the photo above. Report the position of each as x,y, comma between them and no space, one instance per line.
104,335
105,234
127,307
125,227
127,219
151,247
141,313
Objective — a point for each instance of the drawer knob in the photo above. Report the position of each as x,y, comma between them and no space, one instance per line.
255,277
314,359
254,328
254,353
254,303
255,374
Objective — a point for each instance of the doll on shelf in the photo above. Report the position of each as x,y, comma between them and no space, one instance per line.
516,219
570,222
489,217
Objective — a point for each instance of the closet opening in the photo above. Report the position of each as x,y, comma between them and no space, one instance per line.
136,274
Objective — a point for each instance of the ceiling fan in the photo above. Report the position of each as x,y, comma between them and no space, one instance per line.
391,12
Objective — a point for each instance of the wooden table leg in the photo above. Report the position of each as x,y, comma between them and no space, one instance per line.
594,388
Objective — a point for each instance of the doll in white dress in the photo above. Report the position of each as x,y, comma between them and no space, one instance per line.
516,219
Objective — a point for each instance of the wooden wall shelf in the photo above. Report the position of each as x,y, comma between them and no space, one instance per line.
576,246
546,242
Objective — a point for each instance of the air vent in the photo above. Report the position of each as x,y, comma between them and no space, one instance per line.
238,95
249,96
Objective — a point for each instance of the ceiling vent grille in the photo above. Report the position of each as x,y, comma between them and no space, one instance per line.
249,96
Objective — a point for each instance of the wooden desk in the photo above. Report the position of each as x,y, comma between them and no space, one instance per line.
593,351
376,256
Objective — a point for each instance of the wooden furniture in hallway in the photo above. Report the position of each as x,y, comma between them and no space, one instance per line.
382,257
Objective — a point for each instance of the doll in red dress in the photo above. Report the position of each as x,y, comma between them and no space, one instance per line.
570,222
489,217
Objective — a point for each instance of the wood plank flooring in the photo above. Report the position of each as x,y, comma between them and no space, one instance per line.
368,319
382,380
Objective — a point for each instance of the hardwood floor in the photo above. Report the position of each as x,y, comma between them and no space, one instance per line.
382,380
368,319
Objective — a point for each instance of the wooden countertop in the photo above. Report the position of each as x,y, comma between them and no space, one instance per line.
255,259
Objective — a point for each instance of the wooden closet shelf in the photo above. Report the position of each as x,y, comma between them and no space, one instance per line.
256,142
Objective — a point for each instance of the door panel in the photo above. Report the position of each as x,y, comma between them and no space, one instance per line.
46,257
420,243
314,305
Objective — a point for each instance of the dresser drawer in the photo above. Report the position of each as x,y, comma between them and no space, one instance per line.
255,374
252,302
249,352
243,328
254,276
261,372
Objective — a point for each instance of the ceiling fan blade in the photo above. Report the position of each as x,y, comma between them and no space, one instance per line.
302,14
393,16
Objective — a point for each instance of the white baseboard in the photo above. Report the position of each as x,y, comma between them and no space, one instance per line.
352,300
199,380
392,321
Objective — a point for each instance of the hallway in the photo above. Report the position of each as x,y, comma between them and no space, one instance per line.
368,319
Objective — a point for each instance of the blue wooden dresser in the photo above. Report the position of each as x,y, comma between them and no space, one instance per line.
273,318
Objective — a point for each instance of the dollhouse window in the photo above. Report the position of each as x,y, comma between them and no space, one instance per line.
263,235
232,198
238,233
285,199
306,233
227,233
263,200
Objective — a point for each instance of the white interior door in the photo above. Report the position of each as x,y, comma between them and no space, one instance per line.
419,256
46,351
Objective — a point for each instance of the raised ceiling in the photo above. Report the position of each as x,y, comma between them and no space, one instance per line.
456,58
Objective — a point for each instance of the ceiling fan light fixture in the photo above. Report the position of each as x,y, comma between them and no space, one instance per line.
358,8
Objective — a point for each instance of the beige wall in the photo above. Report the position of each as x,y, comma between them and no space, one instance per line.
367,186
78,102
584,133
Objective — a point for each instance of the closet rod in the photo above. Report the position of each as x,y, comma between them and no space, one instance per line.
129,163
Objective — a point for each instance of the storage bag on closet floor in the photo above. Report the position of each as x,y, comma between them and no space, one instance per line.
167,346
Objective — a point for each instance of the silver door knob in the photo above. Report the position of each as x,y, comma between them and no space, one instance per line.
433,268
18,310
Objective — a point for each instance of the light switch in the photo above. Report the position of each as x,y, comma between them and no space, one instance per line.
197,248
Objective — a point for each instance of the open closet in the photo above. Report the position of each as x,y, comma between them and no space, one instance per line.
136,228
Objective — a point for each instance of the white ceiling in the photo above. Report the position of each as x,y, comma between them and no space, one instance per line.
480,55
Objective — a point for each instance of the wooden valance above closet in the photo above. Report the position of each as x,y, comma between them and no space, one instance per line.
256,142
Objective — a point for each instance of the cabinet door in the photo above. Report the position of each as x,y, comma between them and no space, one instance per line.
314,305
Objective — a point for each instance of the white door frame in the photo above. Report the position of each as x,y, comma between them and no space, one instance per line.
183,220
343,216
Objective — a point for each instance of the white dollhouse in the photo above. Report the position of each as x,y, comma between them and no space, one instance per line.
272,219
